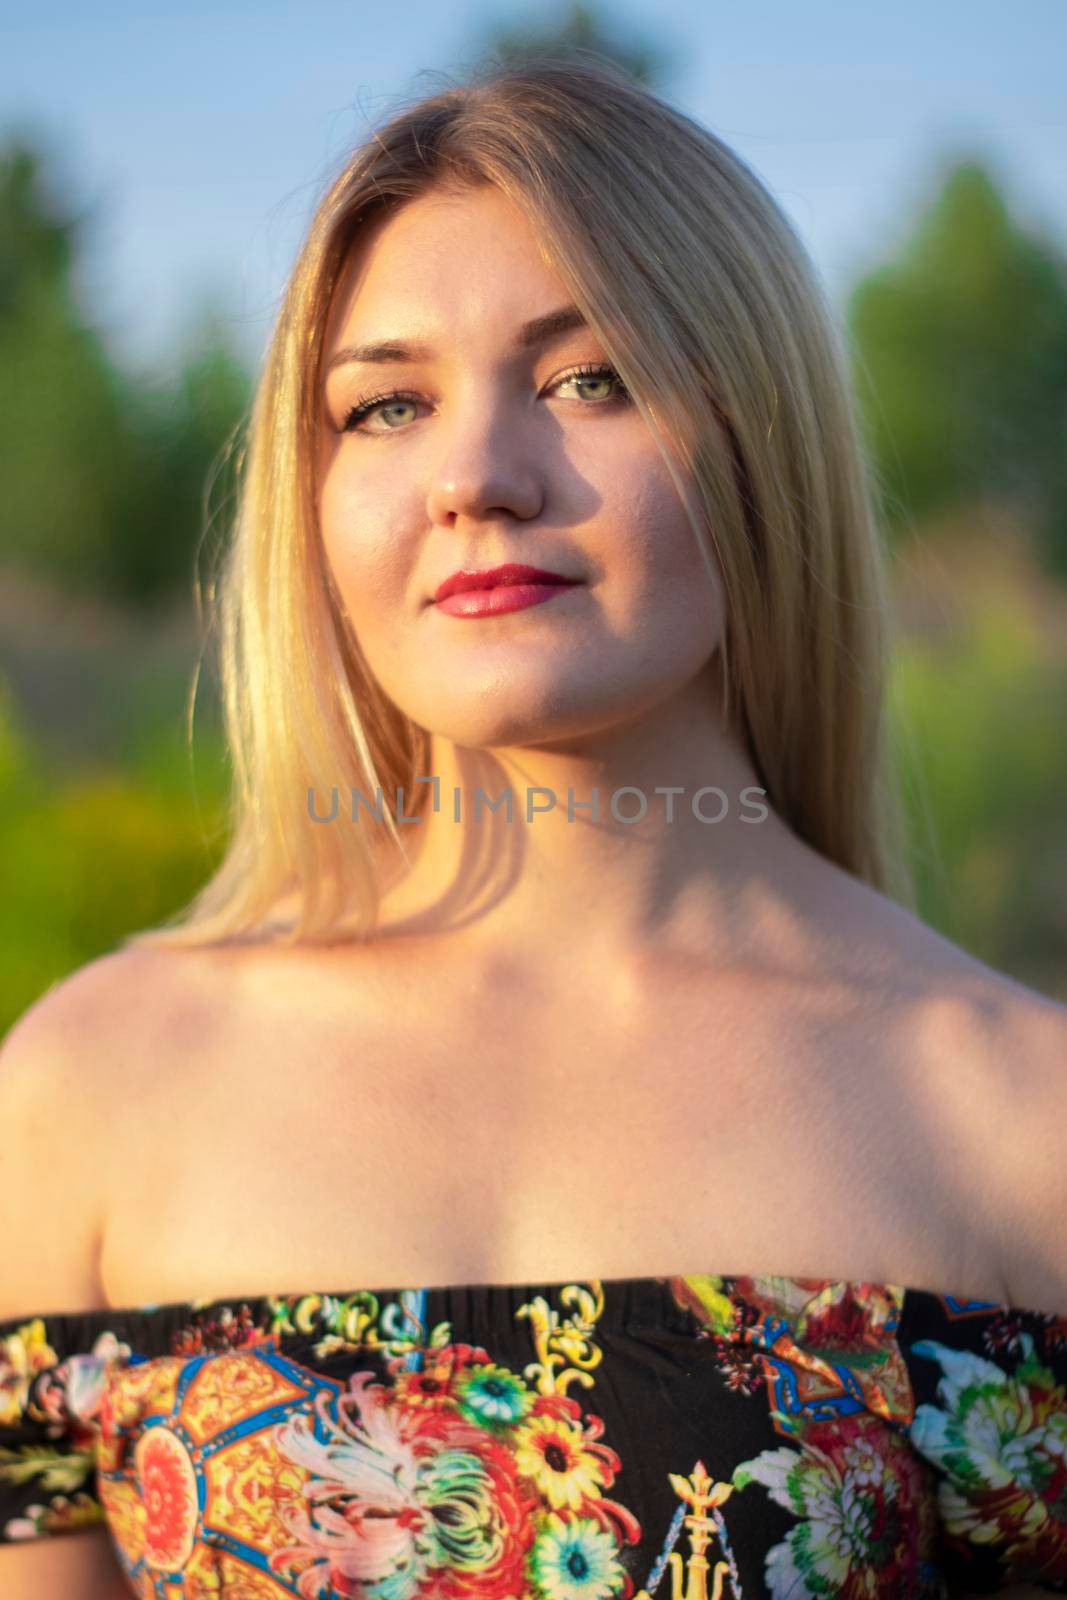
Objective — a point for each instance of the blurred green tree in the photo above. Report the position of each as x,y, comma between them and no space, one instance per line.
961,366
105,473
581,30
61,406
184,425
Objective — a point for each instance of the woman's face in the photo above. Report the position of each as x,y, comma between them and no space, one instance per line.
490,449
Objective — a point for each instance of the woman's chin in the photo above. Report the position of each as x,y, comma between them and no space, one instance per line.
538,726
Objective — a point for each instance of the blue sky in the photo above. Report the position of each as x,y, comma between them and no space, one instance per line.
202,134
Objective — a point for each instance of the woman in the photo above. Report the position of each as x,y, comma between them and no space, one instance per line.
553,491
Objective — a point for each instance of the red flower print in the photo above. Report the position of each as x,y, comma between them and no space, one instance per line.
167,1483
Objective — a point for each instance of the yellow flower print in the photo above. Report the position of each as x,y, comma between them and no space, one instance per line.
552,1452
23,1354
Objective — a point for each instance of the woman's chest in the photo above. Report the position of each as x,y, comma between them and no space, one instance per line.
294,1154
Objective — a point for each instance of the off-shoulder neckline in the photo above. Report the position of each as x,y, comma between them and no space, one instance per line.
516,1290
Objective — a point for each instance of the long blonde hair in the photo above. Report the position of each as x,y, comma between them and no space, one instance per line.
712,313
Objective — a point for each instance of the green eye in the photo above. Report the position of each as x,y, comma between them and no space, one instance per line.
364,408
592,372
597,372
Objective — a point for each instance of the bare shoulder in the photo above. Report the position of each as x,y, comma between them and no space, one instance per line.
980,1076
66,1066
995,1064
88,1020
1033,1077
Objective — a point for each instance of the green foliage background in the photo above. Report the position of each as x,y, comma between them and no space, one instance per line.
111,481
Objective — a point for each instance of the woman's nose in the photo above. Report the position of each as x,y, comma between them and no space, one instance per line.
486,466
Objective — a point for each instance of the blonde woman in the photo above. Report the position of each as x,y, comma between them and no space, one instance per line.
458,1200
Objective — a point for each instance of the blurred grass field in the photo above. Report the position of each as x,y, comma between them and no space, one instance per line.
108,822
981,685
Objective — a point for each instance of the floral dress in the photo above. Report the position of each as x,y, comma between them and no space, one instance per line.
690,1438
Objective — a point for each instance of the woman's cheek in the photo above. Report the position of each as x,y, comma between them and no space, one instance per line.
366,549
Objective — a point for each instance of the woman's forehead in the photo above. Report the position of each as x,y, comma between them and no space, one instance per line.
434,277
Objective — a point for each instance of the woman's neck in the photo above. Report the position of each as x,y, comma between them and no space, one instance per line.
562,880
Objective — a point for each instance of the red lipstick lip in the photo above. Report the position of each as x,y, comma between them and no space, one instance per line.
513,572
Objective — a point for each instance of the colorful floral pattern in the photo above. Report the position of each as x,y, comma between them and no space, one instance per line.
689,1438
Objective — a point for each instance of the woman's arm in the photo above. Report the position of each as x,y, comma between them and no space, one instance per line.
78,1566
50,1226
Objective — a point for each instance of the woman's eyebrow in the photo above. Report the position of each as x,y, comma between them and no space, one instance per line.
551,326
